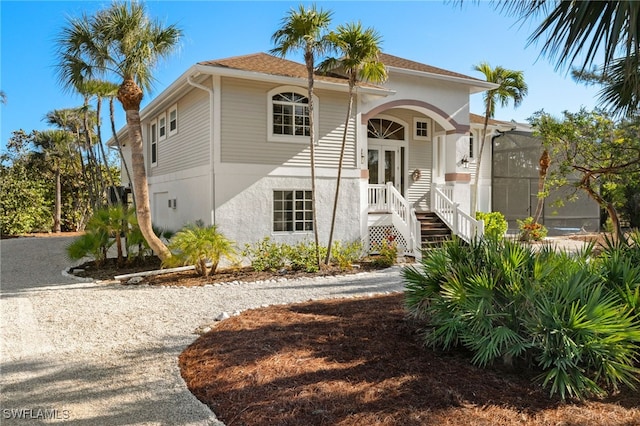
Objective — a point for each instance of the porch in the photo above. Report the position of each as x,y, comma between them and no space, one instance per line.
392,218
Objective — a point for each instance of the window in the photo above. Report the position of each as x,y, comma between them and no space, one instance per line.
421,129
381,128
288,119
292,211
162,128
290,114
471,146
173,120
153,143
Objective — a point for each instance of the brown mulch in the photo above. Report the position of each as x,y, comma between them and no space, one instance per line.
109,269
360,362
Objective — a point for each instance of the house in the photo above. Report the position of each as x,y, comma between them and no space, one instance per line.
514,182
227,143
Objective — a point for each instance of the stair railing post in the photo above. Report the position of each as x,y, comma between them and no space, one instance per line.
455,218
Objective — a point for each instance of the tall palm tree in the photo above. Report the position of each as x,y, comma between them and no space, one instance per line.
359,49
305,29
53,146
511,87
3,97
121,42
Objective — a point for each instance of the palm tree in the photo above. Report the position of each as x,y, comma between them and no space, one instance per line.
124,43
3,97
359,49
54,147
511,86
580,31
304,29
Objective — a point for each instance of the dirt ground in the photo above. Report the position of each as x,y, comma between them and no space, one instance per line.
360,362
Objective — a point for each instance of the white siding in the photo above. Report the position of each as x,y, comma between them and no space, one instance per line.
244,128
190,146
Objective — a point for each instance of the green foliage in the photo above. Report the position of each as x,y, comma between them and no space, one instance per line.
530,231
93,244
566,315
198,246
495,225
24,205
265,255
387,253
302,256
345,255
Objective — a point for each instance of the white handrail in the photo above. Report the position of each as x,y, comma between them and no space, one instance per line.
387,199
461,224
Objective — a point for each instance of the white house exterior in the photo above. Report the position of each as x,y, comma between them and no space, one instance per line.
225,143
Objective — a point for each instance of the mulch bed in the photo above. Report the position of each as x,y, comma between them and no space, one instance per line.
360,362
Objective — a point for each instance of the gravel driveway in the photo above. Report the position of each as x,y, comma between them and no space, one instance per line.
103,354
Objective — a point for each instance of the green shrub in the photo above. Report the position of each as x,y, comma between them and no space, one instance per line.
551,311
346,255
495,225
303,256
530,230
265,255
387,253
198,246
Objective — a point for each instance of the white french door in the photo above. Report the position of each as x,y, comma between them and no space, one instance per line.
387,164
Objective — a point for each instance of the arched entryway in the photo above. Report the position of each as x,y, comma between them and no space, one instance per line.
387,150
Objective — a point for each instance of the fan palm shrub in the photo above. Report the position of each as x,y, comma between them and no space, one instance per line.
200,246
544,309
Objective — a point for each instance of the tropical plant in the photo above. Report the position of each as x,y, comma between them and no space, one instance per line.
304,29
585,32
265,255
589,145
345,255
303,256
120,41
200,246
495,225
530,230
359,49
511,86
53,144
550,311
386,253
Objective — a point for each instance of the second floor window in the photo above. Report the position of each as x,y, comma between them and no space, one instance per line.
290,114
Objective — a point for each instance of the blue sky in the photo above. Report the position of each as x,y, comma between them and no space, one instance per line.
438,33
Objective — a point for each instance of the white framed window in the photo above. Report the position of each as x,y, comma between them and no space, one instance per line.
162,127
421,129
288,114
153,143
173,120
292,211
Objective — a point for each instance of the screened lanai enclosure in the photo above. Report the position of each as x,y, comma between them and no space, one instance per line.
516,155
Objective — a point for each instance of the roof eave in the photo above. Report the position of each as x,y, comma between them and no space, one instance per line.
475,85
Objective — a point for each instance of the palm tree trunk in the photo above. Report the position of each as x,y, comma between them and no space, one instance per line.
476,189
544,162
339,177
117,140
104,155
309,63
58,202
141,192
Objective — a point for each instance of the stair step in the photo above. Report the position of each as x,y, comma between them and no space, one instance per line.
432,229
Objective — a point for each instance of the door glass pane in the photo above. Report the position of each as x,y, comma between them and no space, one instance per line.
373,166
390,166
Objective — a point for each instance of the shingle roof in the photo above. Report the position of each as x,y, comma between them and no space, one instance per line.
397,62
269,64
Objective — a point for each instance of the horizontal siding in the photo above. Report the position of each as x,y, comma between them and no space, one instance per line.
190,146
244,128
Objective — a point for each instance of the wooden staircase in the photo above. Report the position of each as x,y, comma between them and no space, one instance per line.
433,231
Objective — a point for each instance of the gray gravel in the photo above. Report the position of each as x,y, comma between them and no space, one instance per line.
105,354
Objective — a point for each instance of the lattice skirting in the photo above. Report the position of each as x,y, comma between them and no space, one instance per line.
377,234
